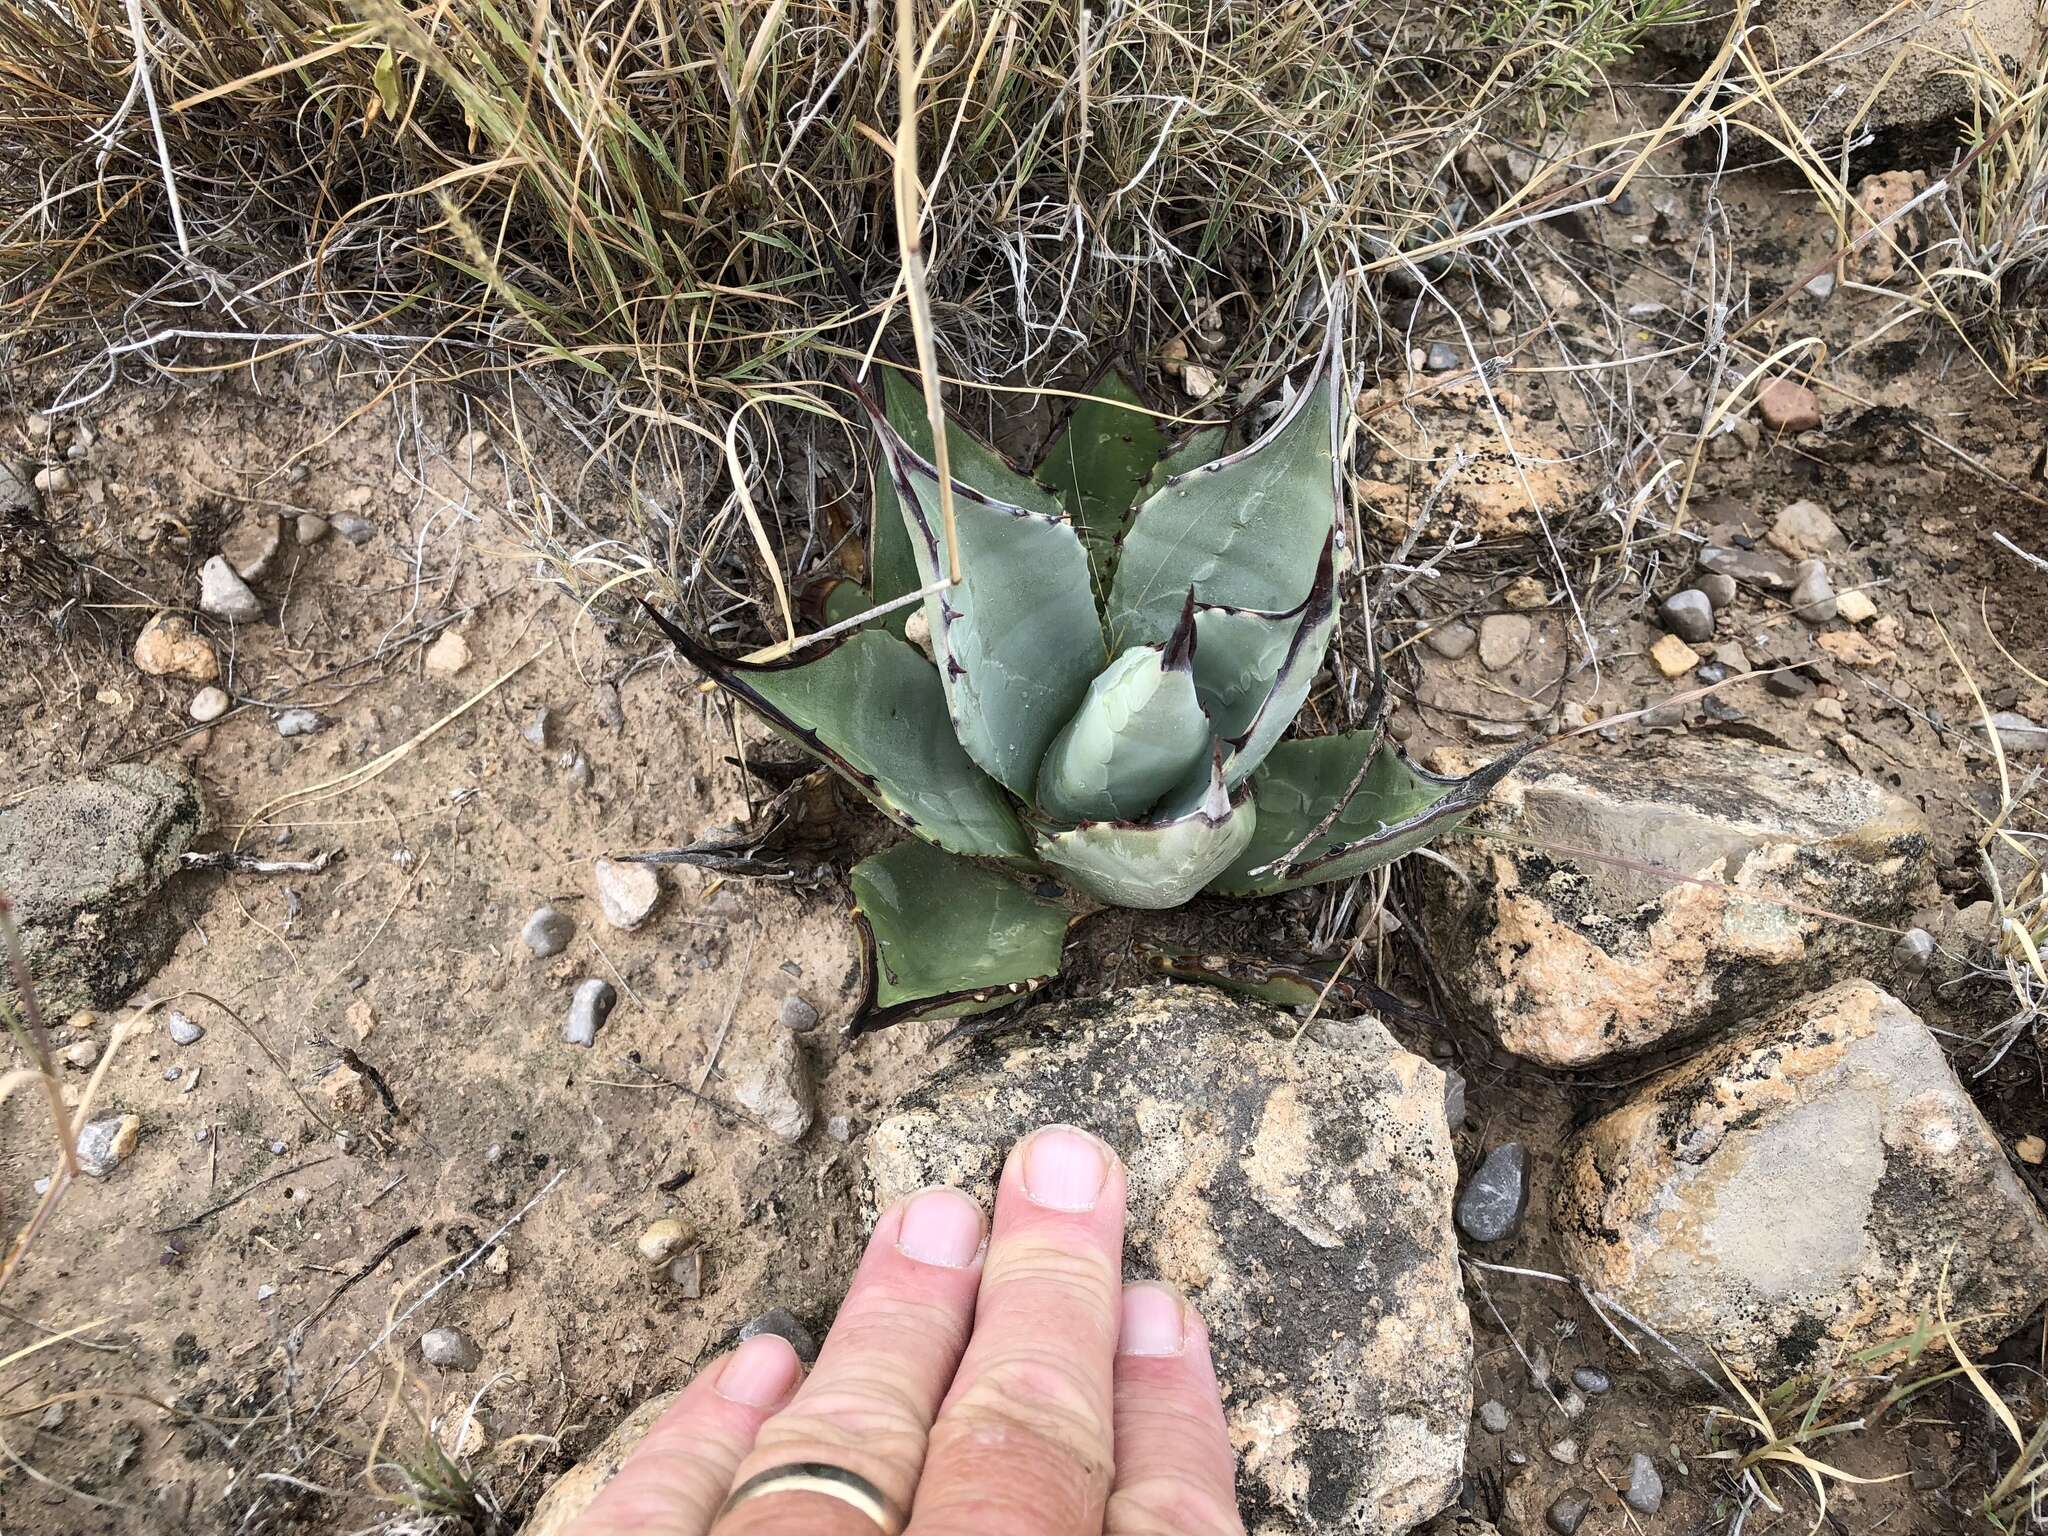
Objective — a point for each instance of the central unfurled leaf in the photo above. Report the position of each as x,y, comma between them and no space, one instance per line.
1158,864
1139,733
1098,462
1245,531
1017,640
948,937
1395,809
871,708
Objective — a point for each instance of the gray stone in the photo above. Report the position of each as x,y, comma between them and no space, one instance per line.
1503,637
85,862
1493,1416
1591,1379
774,1086
1645,1491
548,932
1688,615
1788,683
225,595
251,546
299,722
104,1144
2016,733
1573,1404
796,1013
783,1323
1813,599
627,894
1495,1198
1442,357
591,1005
1454,1098
1565,1452
611,713
208,705
310,528
1711,672
1914,951
1568,1511
1452,641
355,529
1300,1196
1748,567
537,729
1720,589
1570,960
1841,1108
450,1349
182,1030
1804,531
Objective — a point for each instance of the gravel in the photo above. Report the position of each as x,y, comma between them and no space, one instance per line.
588,1009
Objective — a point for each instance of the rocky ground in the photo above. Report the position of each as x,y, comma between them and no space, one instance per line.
428,1142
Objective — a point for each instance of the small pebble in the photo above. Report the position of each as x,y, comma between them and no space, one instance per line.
1720,589
1568,1511
1786,406
1591,1379
208,705
448,655
265,1292
1491,1205
225,595
576,770
2031,1150
1452,641
839,1128
626,893
172,1074
1751,567
773,1084
1855,607
1813,599
352,528
1454,1098
1914,951
1645,1491
1689,615
278,1149
1805,531
661,1241
450,1349
1674,658
1573,1403
686,1274
81,1053
41,1186
535,731
548,932
298,722
182,1030
1502,639
1789,683
104,1144
604,699
1442,357
311,528
1830,710
1711,672
588,1009
782,1323
53,481
797,1014
1566,1452
2016,733
1493,1416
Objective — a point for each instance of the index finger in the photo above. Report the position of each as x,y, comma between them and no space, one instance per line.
1023,1444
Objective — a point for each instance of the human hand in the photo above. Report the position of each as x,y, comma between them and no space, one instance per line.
1006,1384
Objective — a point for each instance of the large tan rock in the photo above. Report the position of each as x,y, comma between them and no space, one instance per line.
1796,1193
570,1494
1301,1197
1612,903
1908,55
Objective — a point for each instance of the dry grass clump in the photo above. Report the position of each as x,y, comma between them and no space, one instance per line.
676,219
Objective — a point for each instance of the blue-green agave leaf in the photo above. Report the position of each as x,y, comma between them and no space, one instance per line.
1314,623
872,709
1395,809
944,936
1137,734
1017,641
1099,460
1245,530
892,563
1153,865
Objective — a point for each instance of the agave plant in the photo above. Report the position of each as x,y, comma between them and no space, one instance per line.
1099,720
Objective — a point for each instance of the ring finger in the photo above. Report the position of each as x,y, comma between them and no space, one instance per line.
870,1400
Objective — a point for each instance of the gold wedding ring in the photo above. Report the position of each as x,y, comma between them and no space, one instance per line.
824,1479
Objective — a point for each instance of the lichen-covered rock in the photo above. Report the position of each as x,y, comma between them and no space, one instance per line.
1602,916
1797,1192
83,862
1299,1195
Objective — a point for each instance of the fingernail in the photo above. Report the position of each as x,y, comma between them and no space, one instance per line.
940,1226
1155,1321
761,1373
1064,1169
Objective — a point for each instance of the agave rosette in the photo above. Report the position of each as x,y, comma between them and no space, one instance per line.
1100,719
